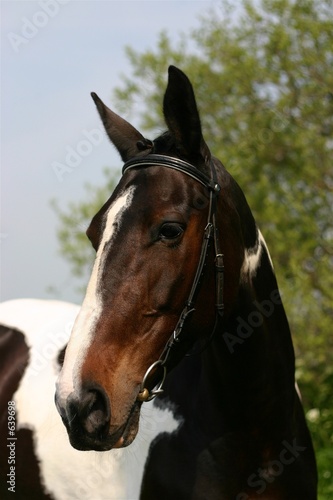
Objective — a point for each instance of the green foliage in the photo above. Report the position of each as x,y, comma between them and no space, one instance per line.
264,84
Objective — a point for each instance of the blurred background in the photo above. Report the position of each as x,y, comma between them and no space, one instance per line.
53,54
262,73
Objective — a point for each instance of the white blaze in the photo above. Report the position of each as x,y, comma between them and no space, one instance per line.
83,330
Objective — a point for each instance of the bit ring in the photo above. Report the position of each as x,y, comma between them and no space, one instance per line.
144,393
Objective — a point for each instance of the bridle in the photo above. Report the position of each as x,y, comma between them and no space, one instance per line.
210,232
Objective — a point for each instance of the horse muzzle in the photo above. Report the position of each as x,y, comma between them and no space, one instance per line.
87,418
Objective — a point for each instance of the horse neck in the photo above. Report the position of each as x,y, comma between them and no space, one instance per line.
249,367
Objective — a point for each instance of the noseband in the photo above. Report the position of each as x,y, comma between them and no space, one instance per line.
210,232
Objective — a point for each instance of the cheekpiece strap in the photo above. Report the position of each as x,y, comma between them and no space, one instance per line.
210,233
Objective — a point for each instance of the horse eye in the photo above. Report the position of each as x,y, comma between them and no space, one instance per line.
170,231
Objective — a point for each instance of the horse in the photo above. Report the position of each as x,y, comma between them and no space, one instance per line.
183,309
39,461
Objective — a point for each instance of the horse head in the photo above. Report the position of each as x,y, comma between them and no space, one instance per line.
148,239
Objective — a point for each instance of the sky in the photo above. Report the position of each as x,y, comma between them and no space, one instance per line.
53,54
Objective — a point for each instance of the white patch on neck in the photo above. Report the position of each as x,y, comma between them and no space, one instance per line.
92,307
264,246
252,258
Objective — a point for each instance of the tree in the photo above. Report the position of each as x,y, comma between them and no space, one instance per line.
73,223
264,86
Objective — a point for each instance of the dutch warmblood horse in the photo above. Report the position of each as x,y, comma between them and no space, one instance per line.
183,304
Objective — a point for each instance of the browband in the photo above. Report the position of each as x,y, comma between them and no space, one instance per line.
176,164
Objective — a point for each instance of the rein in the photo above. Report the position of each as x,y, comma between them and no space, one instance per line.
210,232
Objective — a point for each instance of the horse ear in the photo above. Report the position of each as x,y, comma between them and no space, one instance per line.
128,141
182,118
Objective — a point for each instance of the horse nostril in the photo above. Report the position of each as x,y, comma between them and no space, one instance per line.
86,415
89,414
95,414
